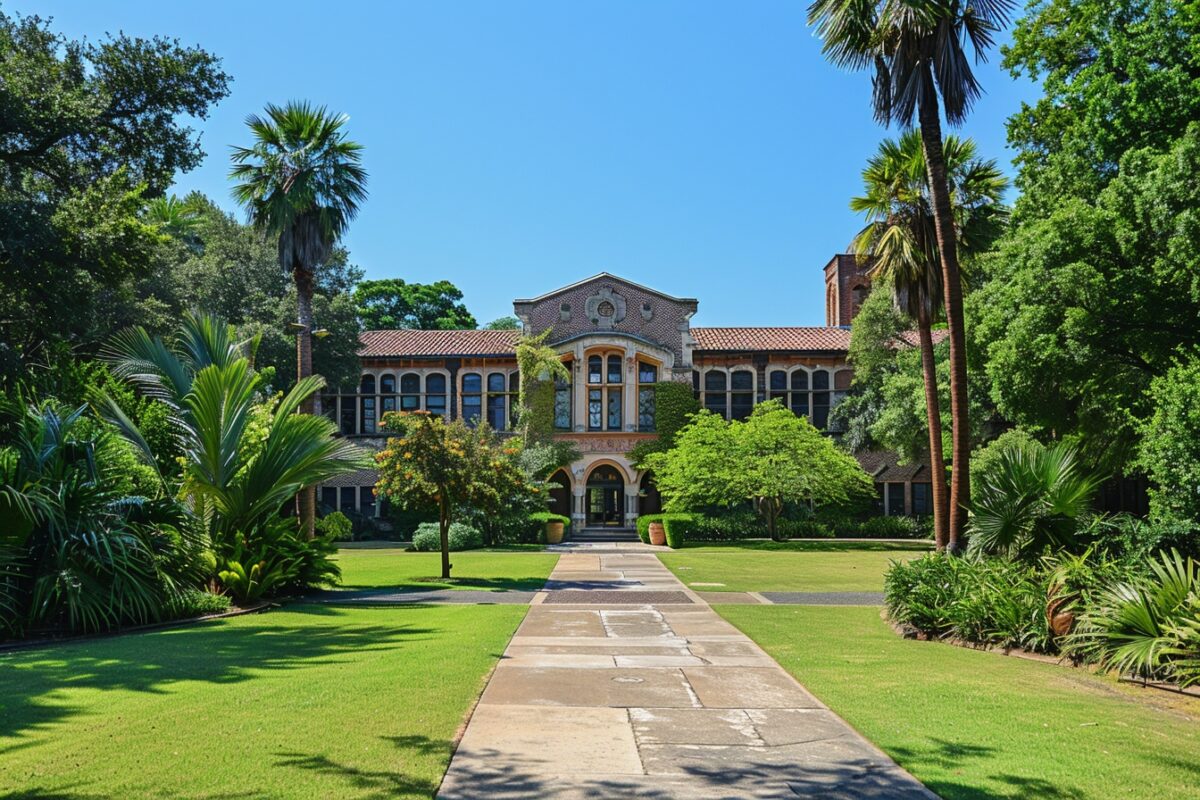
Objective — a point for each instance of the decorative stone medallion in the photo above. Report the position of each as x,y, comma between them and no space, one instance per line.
605,308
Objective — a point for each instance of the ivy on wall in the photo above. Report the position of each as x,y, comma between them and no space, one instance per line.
674,405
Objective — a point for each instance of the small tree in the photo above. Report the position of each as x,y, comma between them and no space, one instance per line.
772,458
431,463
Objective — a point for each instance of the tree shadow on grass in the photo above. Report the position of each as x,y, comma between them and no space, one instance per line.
822,545
948,755
219,652
375,784
522,584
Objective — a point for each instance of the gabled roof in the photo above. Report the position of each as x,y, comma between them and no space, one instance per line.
408,343
814,338
884,466
611,277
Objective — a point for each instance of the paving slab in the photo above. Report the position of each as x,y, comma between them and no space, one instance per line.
635,688
395,597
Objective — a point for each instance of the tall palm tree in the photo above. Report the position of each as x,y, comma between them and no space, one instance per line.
900,239
301,181
918,51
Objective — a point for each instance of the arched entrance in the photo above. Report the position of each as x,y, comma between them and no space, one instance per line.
605,501
560,493
649,500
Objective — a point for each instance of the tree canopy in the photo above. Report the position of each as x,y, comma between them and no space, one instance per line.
393,303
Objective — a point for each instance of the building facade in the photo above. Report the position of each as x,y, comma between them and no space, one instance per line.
618,339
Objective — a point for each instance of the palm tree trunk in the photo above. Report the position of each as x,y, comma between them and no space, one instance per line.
306,500
937,463
939,191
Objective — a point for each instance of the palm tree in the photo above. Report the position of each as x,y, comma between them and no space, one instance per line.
918,50
302,181
901,241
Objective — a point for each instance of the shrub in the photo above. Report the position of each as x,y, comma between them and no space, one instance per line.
460,536
274,559
643,526
336,526
675,526
1130,537
804,529
845,526
197,603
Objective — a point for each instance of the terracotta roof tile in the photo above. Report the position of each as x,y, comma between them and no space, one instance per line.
416,343
741,339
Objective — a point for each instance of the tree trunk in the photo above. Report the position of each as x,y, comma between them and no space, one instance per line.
306,500
939,191
937,463
444,531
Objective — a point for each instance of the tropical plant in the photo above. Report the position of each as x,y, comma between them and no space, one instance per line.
1146,627
75,552
917,49
461,536
1034,499
900,243
301,181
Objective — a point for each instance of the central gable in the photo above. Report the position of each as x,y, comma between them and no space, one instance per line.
606,304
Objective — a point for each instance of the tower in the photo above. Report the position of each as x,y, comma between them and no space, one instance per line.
847,283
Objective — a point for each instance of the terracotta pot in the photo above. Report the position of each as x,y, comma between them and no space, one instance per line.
554,532
658,534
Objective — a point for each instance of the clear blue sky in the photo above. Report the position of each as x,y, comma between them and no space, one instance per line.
703,148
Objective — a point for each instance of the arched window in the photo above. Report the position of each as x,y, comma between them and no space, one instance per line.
387,390
496,398
800,393
647,378
435,393
472,397
562,403
777,385
820,399
410,391
367,402
604,392
741,396
715,392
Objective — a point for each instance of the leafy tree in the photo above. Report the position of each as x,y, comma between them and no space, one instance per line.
1170,447
1117,75
508,323
301,182
901,242
772,458
917,49
433,464
1081,310
540,367
90,132
392,303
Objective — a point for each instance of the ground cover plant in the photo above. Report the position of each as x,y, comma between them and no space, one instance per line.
788,566
519,568
308,702
971,724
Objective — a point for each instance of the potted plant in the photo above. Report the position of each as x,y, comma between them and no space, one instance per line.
658,534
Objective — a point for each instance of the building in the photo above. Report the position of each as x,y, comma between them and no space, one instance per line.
618,338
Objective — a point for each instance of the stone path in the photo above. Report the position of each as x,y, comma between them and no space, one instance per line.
654,698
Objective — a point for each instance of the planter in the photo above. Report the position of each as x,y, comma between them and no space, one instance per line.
658,534
554,532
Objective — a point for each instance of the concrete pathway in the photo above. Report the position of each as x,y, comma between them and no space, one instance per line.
643,691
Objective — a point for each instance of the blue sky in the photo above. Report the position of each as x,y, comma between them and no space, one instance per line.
705,149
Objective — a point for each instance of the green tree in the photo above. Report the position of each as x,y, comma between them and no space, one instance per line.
1170,447
918,50
901,242
91,130
392,303
771,458
302,182
1116,75
509,323
429,464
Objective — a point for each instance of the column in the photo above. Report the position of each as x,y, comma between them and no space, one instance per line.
579,507
629,403
631,505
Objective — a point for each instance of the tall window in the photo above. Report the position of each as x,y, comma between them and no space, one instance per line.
820,399
799,403
387,390
367,400
435,393
562,404
604,392
496,400
714,392
366,501
514,396
741,395
472,397
647,378
410,391
922,499
895,499
806,394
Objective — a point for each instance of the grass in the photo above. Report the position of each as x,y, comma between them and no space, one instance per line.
309,702
974,725
788,566
493,570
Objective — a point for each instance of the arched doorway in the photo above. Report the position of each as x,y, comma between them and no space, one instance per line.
649,500
605,498
560,493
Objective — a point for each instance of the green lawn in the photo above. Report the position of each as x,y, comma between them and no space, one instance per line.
493,570
974,725
308,702
788,566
